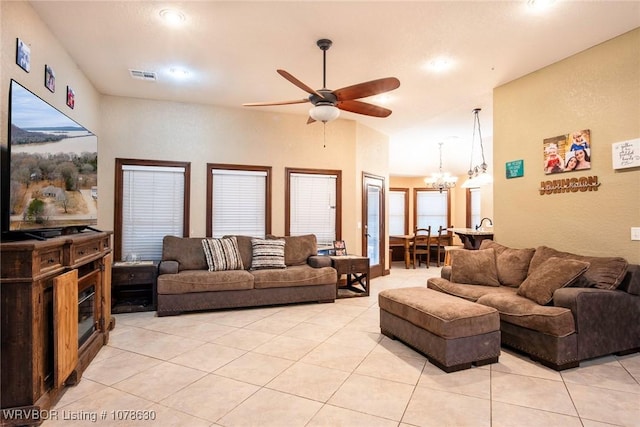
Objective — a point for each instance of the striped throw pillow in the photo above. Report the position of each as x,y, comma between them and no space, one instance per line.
267,253
222,254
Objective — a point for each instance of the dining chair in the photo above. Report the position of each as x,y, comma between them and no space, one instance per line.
438,244
420,245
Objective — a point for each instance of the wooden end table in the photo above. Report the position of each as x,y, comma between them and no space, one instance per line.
133,286
356,269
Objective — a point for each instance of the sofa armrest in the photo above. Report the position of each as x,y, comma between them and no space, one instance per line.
319,261
168,267
606,320
445,273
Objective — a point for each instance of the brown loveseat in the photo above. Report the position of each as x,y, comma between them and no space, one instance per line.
186,284
558,307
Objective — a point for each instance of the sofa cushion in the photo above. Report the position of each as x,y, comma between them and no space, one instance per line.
267,253
222,254
468,292
603,272
474,267
187,251
298,248
297,275
512,264
189,281
552,274
521,311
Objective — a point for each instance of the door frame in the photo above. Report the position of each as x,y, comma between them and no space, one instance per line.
378,270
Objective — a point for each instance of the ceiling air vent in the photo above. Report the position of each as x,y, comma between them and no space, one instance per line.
143,75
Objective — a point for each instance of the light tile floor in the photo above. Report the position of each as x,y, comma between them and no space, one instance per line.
328,365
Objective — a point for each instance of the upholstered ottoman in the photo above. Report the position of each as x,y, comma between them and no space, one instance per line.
452,332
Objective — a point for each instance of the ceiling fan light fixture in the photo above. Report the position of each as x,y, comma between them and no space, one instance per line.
324,112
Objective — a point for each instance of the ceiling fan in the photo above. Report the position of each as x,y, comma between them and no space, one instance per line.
328,103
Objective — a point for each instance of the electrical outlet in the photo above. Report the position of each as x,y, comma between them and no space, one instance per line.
635,233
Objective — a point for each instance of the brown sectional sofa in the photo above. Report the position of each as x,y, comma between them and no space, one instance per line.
186,284
550,306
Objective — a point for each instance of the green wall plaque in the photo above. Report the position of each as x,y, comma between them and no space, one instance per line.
514,169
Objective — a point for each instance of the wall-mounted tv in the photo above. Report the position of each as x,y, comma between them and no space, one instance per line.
49,169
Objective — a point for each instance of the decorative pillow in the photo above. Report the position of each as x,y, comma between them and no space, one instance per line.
552,274
267,253
298,249
603,273
222,254
474,267
512,264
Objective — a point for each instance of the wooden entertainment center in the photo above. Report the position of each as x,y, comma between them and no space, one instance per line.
56,315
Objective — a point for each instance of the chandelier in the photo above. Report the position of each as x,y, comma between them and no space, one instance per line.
441,180
478,174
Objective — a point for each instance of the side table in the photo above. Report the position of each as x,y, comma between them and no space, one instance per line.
133,286
356,269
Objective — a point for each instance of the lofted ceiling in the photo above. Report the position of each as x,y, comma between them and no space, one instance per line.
231,50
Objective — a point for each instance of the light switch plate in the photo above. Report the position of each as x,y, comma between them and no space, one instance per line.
635,233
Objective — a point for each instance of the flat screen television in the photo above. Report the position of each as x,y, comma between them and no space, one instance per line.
49,170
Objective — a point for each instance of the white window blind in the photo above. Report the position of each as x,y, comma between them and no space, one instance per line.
475,206
431,208
313,206
152,207
396,213
239,202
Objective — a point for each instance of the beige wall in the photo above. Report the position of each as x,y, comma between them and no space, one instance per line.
143,129
598,89
18,20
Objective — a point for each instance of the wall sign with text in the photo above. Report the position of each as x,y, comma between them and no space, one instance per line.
626,154
514,169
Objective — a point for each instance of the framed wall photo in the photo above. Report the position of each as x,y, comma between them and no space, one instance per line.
23,55
49,78
339,247
71,97
567,153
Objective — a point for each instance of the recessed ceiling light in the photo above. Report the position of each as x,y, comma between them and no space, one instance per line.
540,5
179,73
439,65
172,17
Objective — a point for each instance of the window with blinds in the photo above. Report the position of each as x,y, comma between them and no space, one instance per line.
153,200
397,213
313,206
238,202
432,209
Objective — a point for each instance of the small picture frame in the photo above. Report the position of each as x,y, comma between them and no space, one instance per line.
49,78
339,247
71,97
23,55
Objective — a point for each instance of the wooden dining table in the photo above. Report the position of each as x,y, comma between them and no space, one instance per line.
405,239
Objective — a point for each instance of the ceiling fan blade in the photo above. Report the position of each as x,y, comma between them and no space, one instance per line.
362,90
264,104
298,83
363,108
310,120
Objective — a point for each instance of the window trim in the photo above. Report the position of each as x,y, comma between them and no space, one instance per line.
118,196
287,196
250,168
